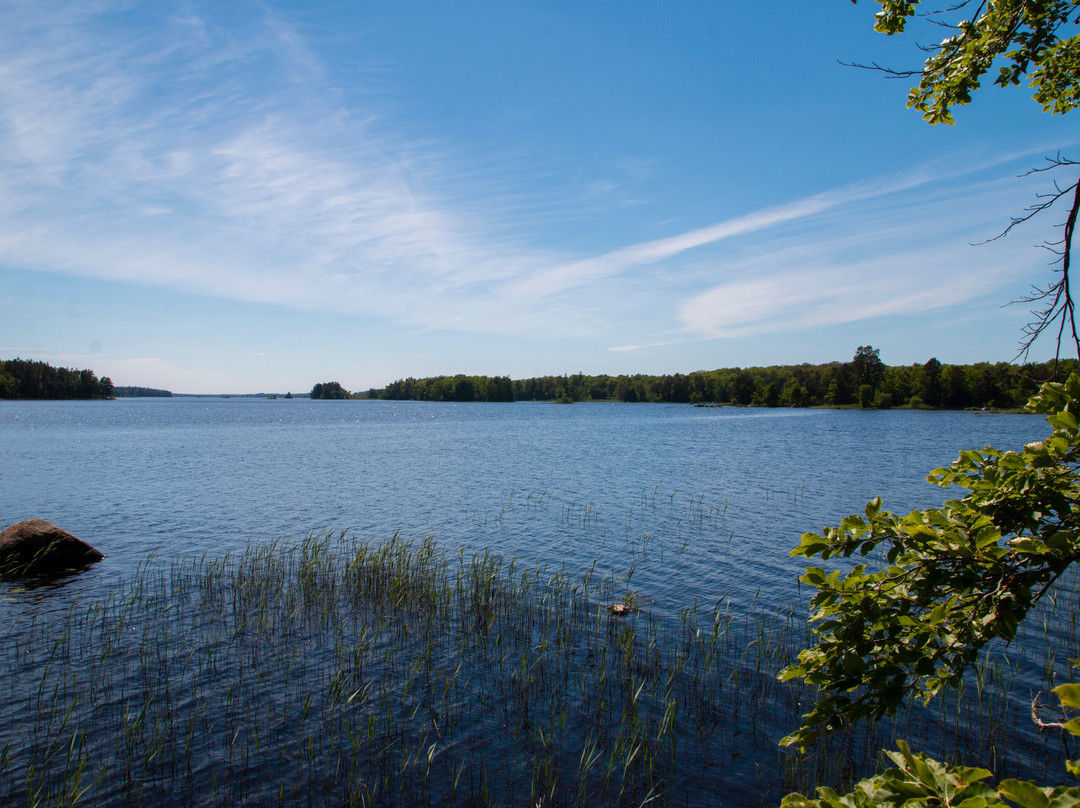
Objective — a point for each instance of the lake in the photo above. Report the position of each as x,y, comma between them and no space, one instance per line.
692,505
185,476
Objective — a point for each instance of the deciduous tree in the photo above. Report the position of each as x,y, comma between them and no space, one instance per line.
952,579
956,577
1012,41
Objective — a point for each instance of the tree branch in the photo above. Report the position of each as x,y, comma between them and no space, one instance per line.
1058,305
889,72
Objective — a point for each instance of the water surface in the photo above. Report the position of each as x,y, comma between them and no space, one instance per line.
685,506
725,492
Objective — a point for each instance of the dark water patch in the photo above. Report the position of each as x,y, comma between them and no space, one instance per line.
338,671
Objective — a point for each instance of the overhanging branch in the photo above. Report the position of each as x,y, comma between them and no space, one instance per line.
1056,305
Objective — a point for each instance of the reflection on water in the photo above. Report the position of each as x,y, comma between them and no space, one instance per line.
43,585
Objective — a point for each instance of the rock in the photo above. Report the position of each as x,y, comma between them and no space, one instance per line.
37,546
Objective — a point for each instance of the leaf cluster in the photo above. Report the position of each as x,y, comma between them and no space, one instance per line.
948,580
1022,38
920,781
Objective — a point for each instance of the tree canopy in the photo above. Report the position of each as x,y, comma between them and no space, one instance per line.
329,390
141,392
949,580
25,378
1024,40
864,381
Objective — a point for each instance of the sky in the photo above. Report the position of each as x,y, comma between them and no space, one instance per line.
254,197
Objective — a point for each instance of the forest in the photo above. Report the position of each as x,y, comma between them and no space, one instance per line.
26,379
866,381
122,391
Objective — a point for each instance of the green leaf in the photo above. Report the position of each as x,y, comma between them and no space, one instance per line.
872,508
791,672
1025,794
1027,544
1063,420
815,576
1068,694
969,774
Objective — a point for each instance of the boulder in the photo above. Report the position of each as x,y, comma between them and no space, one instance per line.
37,546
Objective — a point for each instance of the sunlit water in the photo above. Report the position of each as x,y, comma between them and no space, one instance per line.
694,504
545,483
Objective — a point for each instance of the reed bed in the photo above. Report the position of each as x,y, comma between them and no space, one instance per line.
340,672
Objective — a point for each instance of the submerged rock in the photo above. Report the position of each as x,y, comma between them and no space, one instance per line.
37,546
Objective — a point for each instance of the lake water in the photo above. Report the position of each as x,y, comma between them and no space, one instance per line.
696,503
549,484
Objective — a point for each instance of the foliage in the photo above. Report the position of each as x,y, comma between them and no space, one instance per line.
959,576
889,633
329,390
999,385
953,578
9,385
141,392
1023,39
920,781
449,388
26,379
868,368
1024,34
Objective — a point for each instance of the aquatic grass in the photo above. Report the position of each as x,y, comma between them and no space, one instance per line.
353,671
341,671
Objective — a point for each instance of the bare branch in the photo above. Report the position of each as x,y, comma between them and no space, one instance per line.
1056,161
1026,36
1031,211
889,72
930,15
1057,305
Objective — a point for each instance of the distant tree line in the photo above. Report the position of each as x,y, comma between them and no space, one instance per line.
23,378
865,382
450,388
141,392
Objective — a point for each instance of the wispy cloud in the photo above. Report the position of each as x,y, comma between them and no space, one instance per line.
862,263
163,165
626,348
177,153
554,279
775,299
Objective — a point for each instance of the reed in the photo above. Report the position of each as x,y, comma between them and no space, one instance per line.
337,671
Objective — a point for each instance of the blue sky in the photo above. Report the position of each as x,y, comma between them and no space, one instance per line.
257,196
